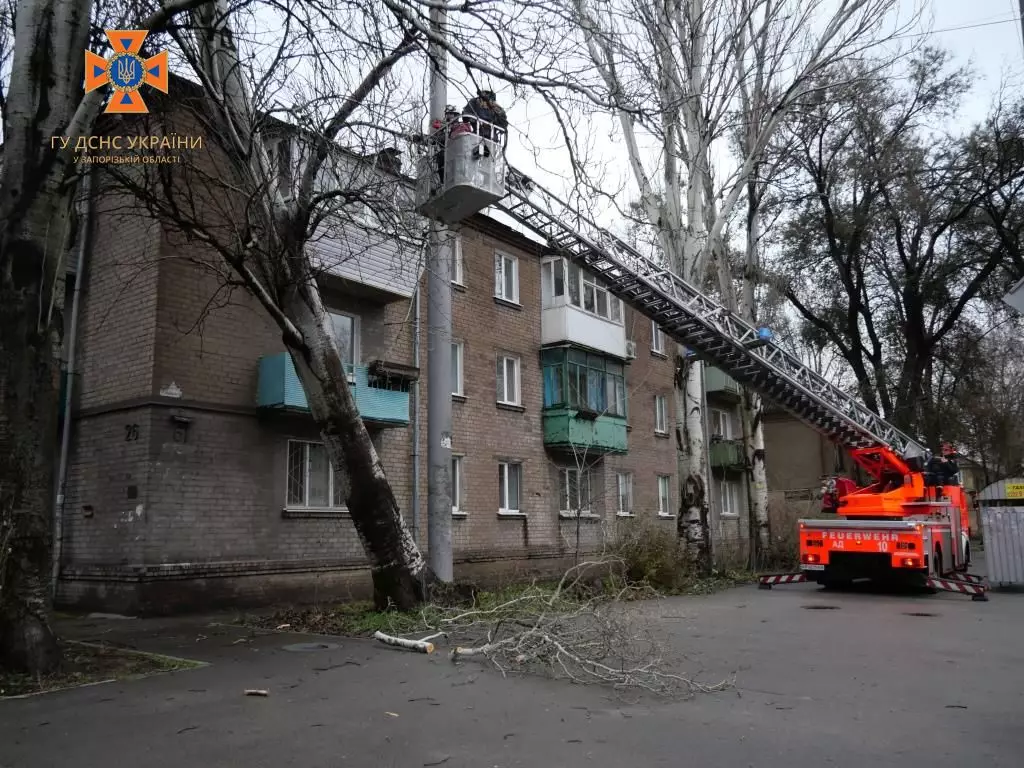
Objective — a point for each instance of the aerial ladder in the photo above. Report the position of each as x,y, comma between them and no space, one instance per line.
909,523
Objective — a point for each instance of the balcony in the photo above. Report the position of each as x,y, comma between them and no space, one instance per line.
566,323
727,455
578,309
719,383
279,388
567,429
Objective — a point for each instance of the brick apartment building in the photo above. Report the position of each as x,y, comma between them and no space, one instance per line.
196,478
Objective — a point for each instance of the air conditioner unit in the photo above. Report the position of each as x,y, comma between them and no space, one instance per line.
630,350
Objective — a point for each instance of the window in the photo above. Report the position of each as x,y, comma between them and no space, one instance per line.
506,277
457,359
577,379
457,486
729,496
624,480
312,482
575,491
279,152
346,336
552,281
657,339
458,264
509,477
507,379
664,496
721,424
660,414
584,290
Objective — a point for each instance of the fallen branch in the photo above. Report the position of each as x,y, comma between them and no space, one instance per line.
563,633
412,645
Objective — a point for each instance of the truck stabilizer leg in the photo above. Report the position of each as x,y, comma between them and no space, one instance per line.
975,590
769,580
973,578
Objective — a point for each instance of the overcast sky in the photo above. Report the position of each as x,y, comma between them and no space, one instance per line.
983,33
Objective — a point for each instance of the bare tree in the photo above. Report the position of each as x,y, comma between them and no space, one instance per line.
898,233
675,73
42,100
276,183
299,149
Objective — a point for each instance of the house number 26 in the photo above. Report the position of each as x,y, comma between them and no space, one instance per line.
131,432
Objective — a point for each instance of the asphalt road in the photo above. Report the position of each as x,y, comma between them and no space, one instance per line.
822,679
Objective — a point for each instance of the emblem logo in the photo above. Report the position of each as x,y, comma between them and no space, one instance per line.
126,71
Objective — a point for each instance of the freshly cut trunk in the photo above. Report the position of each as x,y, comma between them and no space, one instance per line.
693,512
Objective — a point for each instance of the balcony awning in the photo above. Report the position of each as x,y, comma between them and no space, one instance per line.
394,371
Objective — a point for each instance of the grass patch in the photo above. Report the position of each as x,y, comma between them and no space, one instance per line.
85,663
360,619
716,582
357,619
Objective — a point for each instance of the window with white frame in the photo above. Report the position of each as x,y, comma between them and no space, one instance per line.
721,423
507,380
664,495
457,362
729,498
657,339
574,486
458,264
510,475
660,414
346,336
312,482
506,277
624,481
562,281
457,508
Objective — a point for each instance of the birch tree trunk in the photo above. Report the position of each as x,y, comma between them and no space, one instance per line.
45,90
753,405
693,478
400,573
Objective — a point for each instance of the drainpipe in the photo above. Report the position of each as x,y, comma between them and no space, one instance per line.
416,421
709,499
85,236
415,395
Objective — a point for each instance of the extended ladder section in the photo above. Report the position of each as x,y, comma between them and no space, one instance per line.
703,325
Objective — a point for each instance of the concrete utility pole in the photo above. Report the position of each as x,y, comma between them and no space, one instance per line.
439,346
1022,21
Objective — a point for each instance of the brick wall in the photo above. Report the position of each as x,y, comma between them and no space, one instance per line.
117,324
796,456
486,433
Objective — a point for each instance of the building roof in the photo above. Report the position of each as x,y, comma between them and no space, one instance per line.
360,254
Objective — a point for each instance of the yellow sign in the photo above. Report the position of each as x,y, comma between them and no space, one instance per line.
1015,490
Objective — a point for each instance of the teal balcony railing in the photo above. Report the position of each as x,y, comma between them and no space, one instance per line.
279,387
565,429
727,454
717,382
